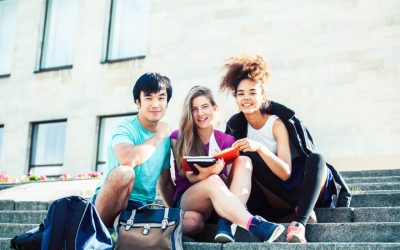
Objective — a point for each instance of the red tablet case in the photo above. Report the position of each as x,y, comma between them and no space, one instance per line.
228,155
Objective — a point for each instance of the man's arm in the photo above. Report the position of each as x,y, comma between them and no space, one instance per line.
134,155
166,187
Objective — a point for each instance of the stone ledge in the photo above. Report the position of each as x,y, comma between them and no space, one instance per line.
371,173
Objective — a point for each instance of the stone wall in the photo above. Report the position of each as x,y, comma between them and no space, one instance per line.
337,63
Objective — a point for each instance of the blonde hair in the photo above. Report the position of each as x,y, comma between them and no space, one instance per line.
189,142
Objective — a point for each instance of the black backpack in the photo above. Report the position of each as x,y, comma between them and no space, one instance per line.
65,218
62,222
31,240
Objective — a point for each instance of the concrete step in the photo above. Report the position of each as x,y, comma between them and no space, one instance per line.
381,199
324,215
23,205
373,179
347,215
321,232
329,232
378,214
371,173
11,229
5,244
355,187
23,217
354,232
7,205
375,192
289,246
365,214
10,205
370,199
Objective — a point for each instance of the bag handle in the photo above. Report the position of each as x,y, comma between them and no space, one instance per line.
164,222
152,204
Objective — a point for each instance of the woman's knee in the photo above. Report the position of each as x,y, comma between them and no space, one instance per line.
209,184
244,162
213,180
193,223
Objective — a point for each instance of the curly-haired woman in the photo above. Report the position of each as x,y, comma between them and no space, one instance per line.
287,173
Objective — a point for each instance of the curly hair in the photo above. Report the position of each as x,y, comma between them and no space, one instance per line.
243,67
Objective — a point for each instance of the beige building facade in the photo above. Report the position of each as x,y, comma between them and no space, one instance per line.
336,63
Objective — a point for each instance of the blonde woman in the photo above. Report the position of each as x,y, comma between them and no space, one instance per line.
207,191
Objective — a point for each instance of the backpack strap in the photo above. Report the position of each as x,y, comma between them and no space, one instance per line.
57,216
78,205
131,220
164,222
62,222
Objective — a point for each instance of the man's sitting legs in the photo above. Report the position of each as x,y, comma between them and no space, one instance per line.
114,195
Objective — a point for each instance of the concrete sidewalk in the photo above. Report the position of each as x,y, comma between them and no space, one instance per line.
49,191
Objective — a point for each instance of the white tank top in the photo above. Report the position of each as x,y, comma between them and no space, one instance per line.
264,134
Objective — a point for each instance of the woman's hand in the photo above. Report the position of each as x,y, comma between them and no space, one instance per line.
247,145
213,169
205,172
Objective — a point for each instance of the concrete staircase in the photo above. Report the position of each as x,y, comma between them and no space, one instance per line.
373,221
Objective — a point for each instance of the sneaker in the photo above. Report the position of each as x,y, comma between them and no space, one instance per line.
296,233
264,230
312,219
224,232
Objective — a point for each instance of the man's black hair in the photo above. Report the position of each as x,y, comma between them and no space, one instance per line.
151,83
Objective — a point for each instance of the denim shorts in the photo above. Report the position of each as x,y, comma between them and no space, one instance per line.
131,204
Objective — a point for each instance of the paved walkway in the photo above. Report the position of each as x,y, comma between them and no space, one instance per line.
49,191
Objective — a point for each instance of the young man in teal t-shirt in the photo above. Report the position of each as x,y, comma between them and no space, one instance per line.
139,153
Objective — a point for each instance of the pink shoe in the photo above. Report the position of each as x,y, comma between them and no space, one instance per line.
312,219
296,233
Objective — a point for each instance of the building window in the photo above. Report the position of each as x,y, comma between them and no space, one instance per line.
59,34
8,17
1,138
107,125
127,34
47,147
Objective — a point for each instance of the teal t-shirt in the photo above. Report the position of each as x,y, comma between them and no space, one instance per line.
131,131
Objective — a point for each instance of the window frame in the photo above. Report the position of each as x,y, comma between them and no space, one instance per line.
33,124
1,141
98,134
106,59
40,69
7,75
